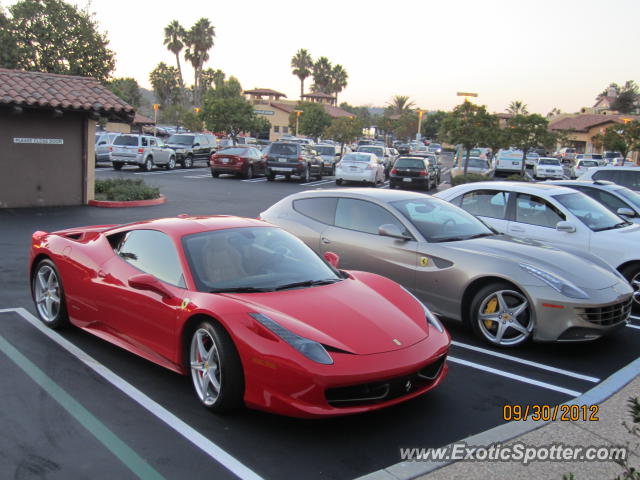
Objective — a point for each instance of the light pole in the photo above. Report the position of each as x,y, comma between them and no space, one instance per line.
156,106
466,95
297,112
420,113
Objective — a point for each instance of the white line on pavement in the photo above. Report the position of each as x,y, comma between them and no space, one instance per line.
188,432
255,180
541,366
316,183
637,327
634,317
513,376
197,176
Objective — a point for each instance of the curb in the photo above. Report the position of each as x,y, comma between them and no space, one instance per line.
133,203
511,430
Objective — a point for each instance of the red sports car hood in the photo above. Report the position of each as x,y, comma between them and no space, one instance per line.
351,315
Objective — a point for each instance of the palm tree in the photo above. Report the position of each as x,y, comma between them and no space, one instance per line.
517,108
322,70
339,79
199,41
399,104
302,63
174,34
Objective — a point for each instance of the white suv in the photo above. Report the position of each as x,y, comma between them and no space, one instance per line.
144,151
626,176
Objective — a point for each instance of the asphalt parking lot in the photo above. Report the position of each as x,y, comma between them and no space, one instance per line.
77,407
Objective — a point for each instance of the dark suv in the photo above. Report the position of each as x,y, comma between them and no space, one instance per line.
413,172
190,147
289,158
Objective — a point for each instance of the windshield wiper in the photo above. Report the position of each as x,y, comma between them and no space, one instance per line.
460,238
613,227
240,290
480,235
308,283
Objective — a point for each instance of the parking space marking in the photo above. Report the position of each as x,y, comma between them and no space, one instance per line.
316,183
99,430
197,176
541,366
196,438
255,180
637,327
160,172
513,376
634,317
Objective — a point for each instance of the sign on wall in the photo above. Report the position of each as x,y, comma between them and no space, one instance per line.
40,141
263,112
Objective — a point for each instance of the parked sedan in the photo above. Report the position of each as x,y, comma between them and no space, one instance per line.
360,167
413,172
476,165
509,290
581,167
557,215
246,310
548,167
240,161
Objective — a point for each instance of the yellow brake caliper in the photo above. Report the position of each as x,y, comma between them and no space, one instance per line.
492,306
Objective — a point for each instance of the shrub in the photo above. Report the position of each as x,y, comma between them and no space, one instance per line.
518,178
468,178
124,190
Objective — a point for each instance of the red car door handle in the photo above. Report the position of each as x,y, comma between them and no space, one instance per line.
325,240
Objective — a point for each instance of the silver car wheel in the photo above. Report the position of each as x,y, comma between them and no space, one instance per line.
205,367
47,293
503,318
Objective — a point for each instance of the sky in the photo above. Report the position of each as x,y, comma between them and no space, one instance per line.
545,53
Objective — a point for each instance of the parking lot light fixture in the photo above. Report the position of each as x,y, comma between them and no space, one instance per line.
298,113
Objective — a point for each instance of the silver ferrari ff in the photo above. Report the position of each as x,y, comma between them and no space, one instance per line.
510,290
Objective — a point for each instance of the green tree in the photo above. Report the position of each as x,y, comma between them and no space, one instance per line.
301,65
198,41
127,89
361,112
174,35
226,110
624,138
399,104
495,137
517,107
166,84
628,98
9,50
431,124
339,80
192,121
467,125
344,130
321,72
528,131
312,122
407,125
56,37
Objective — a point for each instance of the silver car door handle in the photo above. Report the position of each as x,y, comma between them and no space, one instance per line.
516,229
325,240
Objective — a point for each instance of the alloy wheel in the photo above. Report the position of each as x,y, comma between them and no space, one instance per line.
47,293
503,318
205,367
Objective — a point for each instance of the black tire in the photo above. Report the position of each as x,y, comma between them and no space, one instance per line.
229,372
147,166
249,174
214,174
338,181
172,163
187,162
271,176
632,274
511,296
287,177
59,318
117,165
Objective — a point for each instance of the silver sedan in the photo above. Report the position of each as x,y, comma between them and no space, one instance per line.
510,290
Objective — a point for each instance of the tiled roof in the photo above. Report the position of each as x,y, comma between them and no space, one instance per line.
143,120
264,91
333,112
583,123
66,92
317,95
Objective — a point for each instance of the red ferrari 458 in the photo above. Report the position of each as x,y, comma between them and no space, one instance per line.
247,310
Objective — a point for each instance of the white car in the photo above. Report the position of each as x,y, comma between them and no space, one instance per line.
581,166
532,158
558,215
547,167
360,167
626,176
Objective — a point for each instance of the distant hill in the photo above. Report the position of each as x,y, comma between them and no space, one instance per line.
148,99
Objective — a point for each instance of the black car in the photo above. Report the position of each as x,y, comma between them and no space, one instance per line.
403,148
413,172
434,164
191,147
290,158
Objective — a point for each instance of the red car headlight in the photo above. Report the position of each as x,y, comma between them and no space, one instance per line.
309,348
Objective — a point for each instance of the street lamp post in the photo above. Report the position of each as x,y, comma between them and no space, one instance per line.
420,113
156,107
297,112
466,95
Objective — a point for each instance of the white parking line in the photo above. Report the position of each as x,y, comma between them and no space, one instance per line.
316,183
541,366
637,327
255,180
196,438
513,376
160,172
634,317
197,176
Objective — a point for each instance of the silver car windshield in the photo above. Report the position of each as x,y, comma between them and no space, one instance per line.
258,259
593,214
439,221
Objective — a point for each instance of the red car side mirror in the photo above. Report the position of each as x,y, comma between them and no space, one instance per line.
150,283
332,258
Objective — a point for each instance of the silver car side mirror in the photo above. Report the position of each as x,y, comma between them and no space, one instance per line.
391,230
566,227
626,212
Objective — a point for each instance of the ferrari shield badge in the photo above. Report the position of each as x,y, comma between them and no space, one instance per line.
424,261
